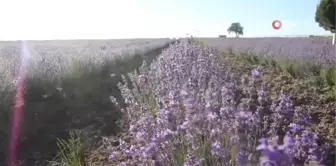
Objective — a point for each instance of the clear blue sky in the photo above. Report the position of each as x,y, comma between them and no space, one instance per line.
67,19
256,16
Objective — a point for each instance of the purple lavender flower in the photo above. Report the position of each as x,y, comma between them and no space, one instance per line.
244,115
192,161
211,116
288,142
131,151
241,158
113,156
150,149
264,145
218,150
275,154
255,73
294,127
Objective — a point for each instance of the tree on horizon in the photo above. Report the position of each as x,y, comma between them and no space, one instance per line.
236,28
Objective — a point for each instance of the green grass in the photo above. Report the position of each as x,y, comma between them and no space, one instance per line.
71,152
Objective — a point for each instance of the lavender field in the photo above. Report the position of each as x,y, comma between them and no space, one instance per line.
303,48
197,102
67,87
197,105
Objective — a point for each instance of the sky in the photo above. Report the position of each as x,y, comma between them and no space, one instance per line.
111,19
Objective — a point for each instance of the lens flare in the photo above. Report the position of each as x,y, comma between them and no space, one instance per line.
18,108
276,24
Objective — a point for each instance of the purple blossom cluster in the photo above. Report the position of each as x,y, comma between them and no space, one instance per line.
187,108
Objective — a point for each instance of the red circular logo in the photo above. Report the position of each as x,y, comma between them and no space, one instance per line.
276,24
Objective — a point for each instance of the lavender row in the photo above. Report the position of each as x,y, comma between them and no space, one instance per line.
188,109
302,49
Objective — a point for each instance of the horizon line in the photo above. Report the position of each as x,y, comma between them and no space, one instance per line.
177,37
